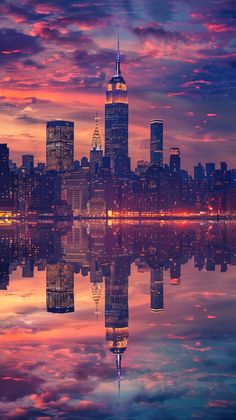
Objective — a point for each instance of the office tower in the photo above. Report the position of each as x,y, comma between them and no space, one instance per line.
210,169
60,146
6,200
96,153
223,167
40,168
199,172
156,289
75,190
175,159
84,162
142,167
116,122
156,142
60,288
28,163
97,200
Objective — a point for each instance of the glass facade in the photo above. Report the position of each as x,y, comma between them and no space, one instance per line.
116,117
60,146
156,138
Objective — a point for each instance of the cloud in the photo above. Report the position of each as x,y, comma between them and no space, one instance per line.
158,32
27,119
15,44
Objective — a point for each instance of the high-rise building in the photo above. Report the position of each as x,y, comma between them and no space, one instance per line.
96,153
175,163
60,146
116,122
210,168
75,190
199,172
156,142
6,200
28,163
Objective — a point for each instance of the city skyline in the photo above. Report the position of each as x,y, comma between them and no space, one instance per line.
57,66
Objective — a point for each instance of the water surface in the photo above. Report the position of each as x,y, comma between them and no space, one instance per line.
123,320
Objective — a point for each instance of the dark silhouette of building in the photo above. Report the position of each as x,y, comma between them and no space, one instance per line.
156,142
28,163
6,195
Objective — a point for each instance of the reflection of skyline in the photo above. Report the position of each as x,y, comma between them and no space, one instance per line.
92,248
105,253
134,343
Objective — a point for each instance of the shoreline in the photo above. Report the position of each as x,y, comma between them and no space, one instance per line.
107,218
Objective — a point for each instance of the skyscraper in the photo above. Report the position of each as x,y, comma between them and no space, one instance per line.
96,153
156,142
175,159
28,163
116,122
60,146
5,179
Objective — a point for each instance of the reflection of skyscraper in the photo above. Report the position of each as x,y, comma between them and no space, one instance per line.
60,146
156,289
156,146
96,278
28,268
116,122
175,273
60,288
116,310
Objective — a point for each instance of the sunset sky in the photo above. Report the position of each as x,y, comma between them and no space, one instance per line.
178,59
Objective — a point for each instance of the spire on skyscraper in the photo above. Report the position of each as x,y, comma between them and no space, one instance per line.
96,292
117,69
118,369
96,139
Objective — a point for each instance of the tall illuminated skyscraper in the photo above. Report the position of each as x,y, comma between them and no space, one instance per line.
156,142
96,153
60,146
116,121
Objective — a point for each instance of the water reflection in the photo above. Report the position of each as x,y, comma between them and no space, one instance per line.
124,262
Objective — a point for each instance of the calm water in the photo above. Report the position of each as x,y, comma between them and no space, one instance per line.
118,321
